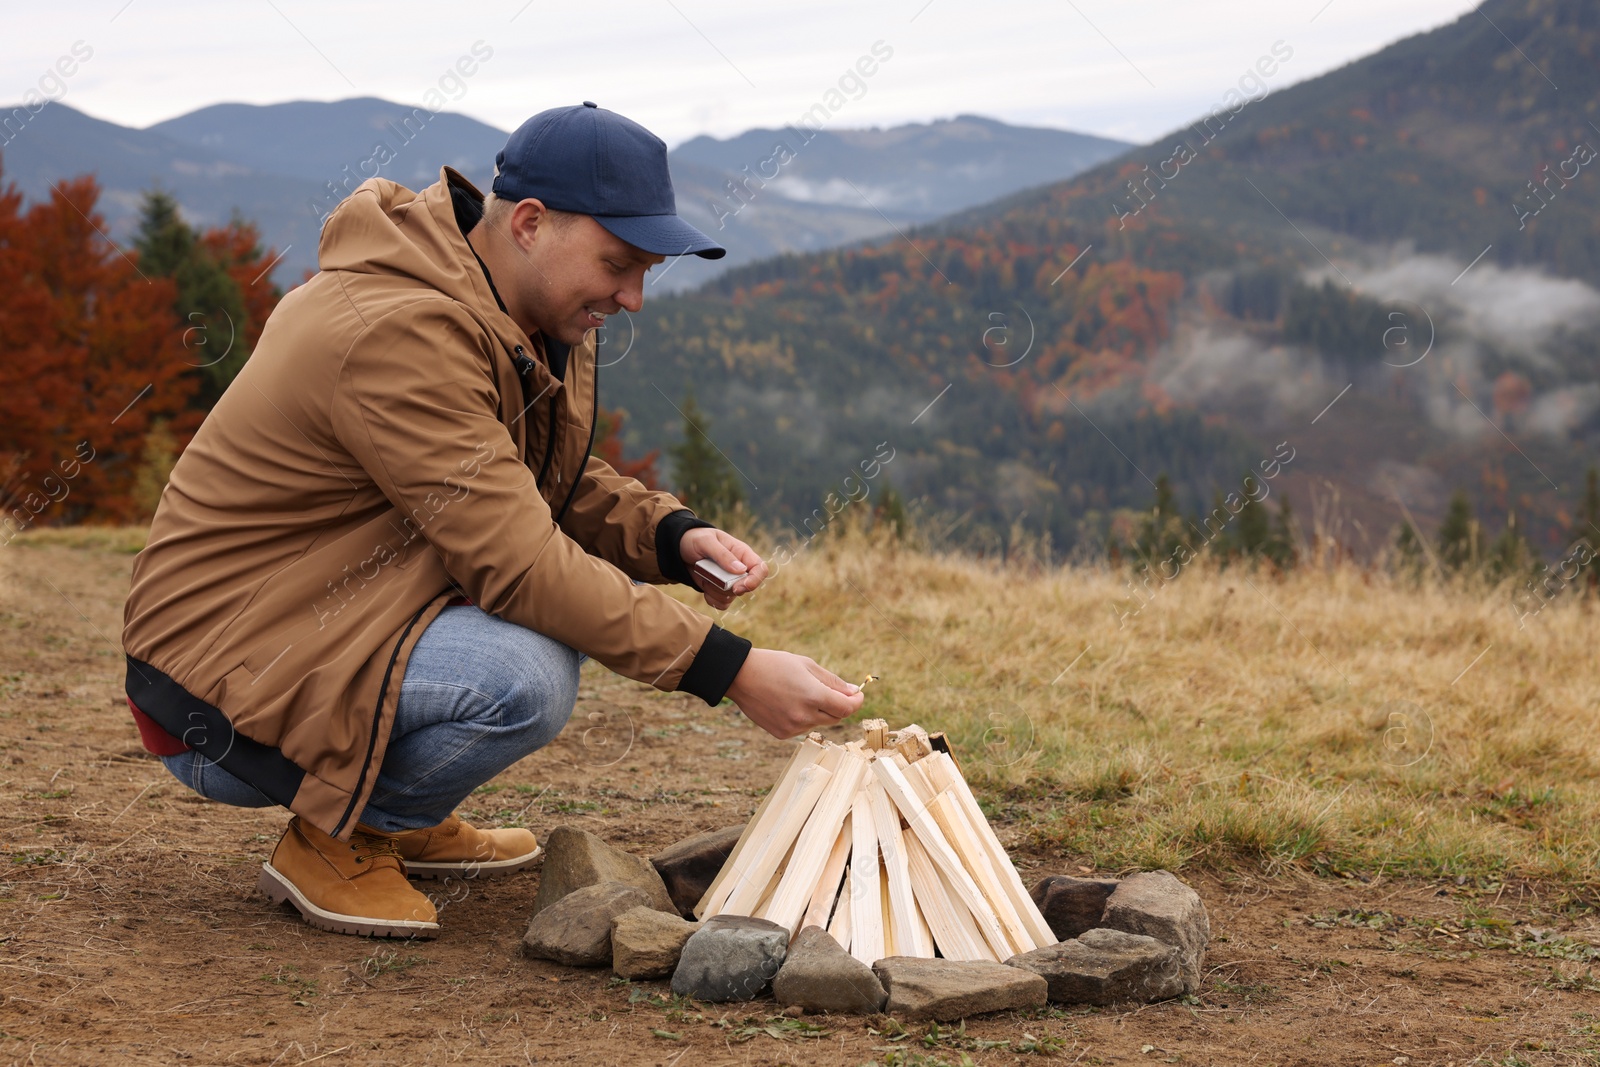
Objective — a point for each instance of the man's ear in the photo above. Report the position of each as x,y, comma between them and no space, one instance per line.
528,219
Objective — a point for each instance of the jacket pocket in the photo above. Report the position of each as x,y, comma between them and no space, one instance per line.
275,647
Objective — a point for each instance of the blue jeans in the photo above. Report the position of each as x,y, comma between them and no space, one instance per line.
479,694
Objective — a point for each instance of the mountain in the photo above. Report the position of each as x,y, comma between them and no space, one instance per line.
769,224
287,165
324,142
1419,230
767,191
60,142
919,171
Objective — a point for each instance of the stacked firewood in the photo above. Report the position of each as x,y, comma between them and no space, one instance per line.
880,842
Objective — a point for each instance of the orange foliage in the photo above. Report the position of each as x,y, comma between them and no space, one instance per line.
90,355
237,246
608,446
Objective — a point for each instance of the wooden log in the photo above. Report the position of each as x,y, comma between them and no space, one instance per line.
809,751
866,909
913,776
772,883
923,934
766,857
814,843
891,944
944,857
954,933
875,732
911,741
953,821
968,921
908,932
940,743
943,770
820,907
921,784
839,927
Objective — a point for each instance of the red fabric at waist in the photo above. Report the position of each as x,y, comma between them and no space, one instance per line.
156,740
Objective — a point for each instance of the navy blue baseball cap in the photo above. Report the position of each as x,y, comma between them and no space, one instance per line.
594,162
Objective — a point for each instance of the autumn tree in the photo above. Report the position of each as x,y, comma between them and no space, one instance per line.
90,354
608,446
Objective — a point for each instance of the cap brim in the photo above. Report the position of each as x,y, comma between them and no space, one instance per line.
662,235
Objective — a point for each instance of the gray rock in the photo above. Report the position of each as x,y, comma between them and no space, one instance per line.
731,957
689,866
1157,905
1072,905
1106,967
646,943
819,975
574,859
576,930
947,990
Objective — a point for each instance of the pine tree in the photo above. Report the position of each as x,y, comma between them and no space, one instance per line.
1586,528
1255,528
1408,550
1283,546
1162,530
1220,540
1458,534
706,480
1509,556
209,304
891,510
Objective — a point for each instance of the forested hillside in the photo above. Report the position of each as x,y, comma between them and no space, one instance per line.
1418,226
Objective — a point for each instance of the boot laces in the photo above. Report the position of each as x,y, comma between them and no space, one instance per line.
371,846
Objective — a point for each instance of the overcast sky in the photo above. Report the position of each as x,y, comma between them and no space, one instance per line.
1132,69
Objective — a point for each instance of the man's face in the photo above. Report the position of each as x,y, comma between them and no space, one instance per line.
577,272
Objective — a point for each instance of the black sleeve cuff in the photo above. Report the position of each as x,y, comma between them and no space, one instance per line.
669,532
715,665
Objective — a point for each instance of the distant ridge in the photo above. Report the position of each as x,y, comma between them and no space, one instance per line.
287,165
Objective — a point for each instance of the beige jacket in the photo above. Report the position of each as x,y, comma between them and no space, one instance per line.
377,456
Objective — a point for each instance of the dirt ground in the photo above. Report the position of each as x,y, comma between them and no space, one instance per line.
131,932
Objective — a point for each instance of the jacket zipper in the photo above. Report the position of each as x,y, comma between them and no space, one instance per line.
377,717
594,418
524,365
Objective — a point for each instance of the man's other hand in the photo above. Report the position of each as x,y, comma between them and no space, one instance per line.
728,552
787,695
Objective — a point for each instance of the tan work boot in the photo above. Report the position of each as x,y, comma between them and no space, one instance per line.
355,887
457,849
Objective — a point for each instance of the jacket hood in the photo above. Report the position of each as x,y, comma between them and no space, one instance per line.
386,230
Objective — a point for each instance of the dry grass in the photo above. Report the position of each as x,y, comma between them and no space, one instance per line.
126,540
1334,720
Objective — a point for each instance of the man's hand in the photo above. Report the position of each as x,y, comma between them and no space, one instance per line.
786,695
728,552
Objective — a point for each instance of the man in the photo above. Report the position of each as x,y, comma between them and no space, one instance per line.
374,572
